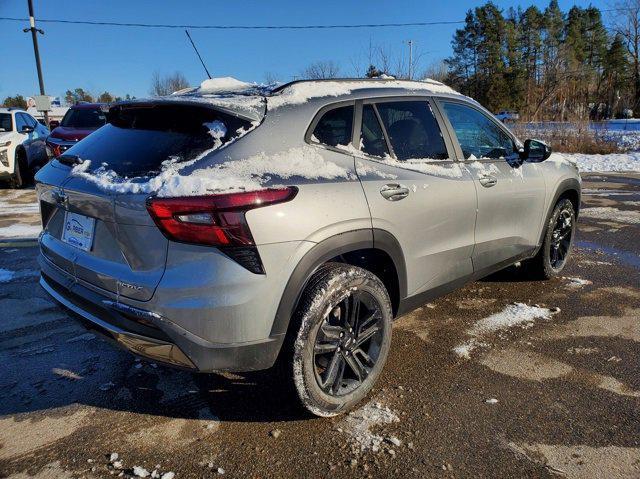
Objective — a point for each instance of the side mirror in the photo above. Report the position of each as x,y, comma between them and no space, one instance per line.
54,124
535,151
27,129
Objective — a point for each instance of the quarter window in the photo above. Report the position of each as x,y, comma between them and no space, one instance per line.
413,130
335,127
372,137
477,134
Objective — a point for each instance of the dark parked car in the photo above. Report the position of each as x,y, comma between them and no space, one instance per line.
80,121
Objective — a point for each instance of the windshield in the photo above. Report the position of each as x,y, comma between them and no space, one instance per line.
83,118
5,122
139,138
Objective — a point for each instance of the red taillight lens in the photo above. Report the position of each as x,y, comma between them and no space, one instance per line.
215,220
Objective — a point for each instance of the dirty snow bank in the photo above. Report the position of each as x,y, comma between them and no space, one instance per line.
241,175
299,93
516,314
359,424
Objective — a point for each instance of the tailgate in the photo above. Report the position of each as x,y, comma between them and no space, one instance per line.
127,259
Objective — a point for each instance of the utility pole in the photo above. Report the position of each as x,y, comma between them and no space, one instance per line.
34,31
410,42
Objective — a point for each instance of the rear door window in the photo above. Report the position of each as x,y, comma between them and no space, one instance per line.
335,127
140,137
478,135
413,130
372,140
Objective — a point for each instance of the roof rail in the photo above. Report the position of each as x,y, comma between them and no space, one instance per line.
279,88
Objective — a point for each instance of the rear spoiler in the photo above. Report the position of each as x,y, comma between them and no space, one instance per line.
244,107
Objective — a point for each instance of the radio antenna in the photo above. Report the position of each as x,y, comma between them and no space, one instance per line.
198,53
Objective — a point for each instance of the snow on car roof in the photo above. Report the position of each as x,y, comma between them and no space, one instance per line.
248,99
301,91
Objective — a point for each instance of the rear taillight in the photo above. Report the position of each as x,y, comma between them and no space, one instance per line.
213,220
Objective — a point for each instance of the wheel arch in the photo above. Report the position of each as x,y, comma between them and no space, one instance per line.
377,248
568,188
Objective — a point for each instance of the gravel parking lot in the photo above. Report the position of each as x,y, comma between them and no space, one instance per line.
504,378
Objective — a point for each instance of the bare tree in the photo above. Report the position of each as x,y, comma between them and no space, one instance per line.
271,78
437,71
626,22
166,85
321,70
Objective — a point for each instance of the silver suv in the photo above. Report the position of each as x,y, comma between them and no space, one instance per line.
233,227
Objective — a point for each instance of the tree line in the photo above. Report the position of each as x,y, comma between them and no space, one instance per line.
549,64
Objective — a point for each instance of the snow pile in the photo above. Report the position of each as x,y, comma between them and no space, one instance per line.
217,130
224,84
359,424
299,93
517,314
609,213
240,175
601,163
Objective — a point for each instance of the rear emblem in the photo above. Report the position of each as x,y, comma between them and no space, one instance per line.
134,287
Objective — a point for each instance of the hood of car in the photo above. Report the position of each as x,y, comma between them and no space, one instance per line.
71,134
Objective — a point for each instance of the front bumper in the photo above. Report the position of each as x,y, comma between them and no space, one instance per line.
149,335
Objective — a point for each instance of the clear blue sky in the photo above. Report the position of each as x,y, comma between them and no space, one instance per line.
122,60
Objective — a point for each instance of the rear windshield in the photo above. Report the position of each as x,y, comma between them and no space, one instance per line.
5,122
139,138
84,118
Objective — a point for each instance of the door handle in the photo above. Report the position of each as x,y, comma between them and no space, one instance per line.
488,181
394,192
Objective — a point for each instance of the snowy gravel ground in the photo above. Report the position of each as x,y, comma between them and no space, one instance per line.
557,398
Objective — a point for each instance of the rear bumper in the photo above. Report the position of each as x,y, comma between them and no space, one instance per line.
147,334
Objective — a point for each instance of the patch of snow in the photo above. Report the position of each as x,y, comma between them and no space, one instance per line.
299,93
491,401
224,84
217,130
611,214
517,314
427,166
140,471
6,275
359,424
168,475
113,457
365,169
577,282
21,231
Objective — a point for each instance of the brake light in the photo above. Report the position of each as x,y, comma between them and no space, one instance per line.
213,220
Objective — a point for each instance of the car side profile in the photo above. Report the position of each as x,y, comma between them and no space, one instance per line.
233,227
22,149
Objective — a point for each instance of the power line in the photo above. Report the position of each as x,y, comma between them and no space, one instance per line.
236,27
262,27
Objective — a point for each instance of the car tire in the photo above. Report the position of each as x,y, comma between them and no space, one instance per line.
557,244
330,368
22,176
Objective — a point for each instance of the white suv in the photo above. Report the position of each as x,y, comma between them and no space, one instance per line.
22,148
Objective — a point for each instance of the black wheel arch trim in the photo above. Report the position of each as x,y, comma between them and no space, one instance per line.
330,248
565,186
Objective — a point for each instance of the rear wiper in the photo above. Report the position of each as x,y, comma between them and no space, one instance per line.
69,159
